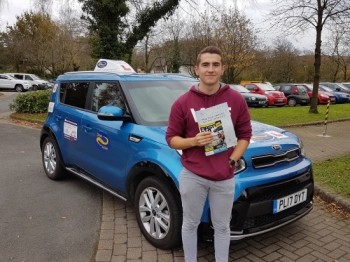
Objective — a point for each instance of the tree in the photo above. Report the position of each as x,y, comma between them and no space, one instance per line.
114,37
235,36
295,16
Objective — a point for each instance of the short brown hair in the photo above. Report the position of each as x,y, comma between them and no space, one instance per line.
210,50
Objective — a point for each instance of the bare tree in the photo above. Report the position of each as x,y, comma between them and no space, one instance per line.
296,16
337,49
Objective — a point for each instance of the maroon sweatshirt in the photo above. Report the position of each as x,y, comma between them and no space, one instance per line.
182,123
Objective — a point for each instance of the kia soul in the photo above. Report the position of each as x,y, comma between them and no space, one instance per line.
108,127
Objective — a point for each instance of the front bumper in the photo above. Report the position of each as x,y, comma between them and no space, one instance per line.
253,214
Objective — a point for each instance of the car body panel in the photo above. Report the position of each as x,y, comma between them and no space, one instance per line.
253,100
275,98
294,91
9,82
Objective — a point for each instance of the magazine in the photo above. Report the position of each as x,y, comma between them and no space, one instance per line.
217,120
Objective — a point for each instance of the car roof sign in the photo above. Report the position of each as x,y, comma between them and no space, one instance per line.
115,66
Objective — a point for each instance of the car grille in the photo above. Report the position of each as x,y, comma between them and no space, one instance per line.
273,159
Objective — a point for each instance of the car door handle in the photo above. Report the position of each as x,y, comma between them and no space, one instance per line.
87,128
58,117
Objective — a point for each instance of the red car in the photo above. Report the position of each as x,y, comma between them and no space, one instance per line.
323,97
275,98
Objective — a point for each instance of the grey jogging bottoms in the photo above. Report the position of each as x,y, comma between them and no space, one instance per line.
194,191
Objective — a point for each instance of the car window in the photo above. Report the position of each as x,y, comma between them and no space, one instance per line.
301,89
249,87
151,101
18,76
74,94
28,77
3,77
107,94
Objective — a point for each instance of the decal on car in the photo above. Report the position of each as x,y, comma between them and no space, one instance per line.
102,64
55,88
70,130
51,106
102,141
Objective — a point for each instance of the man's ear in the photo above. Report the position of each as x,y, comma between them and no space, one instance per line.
223,69
195,69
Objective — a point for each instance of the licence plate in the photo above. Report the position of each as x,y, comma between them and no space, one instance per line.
280,100
289,201
303,101
262,102
332,99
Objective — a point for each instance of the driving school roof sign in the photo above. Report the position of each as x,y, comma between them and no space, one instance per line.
117,66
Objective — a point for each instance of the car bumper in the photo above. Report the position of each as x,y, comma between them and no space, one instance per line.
254,214
257,103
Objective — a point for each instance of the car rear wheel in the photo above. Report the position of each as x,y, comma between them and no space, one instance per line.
19,88
158,212
51,160
292,102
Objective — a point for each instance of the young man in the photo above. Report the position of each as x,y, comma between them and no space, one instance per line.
207,176
140,70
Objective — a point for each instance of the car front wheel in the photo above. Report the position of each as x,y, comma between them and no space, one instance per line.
19,88
158,212
292,102
51,160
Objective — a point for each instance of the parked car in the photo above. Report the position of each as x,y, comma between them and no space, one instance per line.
336,87
322,96
109,128
253,100
346,84
296,94
340,97
36,82
274,97
10,83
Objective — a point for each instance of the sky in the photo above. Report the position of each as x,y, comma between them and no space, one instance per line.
255,12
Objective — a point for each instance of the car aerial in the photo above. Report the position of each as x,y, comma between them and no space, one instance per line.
108,127
36,82
274,97
322,96
340,97
296,94
336,87
253,100
10,83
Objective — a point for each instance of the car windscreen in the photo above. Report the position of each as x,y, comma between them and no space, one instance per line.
266,87
150,101
239,88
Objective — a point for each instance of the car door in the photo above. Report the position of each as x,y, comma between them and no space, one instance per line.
67,115
107,147
6,82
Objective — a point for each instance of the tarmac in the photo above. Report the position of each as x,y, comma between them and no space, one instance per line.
121,239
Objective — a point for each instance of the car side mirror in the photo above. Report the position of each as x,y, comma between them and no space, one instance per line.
112,113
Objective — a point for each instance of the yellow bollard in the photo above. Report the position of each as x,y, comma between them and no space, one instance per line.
326,118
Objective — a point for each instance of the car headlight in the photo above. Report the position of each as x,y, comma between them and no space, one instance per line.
344,95
324,96
240,166
253,98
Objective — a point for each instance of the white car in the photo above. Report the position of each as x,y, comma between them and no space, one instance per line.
9,82
35,81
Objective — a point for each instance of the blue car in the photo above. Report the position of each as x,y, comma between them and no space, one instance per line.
340,97
108,127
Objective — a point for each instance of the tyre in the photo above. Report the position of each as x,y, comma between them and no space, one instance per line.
158,212
52,160
34,87
19,88
292,102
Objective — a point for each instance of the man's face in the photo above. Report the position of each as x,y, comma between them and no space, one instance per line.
210,69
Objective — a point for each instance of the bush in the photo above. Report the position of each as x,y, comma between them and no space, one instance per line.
31,102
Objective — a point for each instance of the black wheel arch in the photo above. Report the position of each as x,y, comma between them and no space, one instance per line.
47,132
142,170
